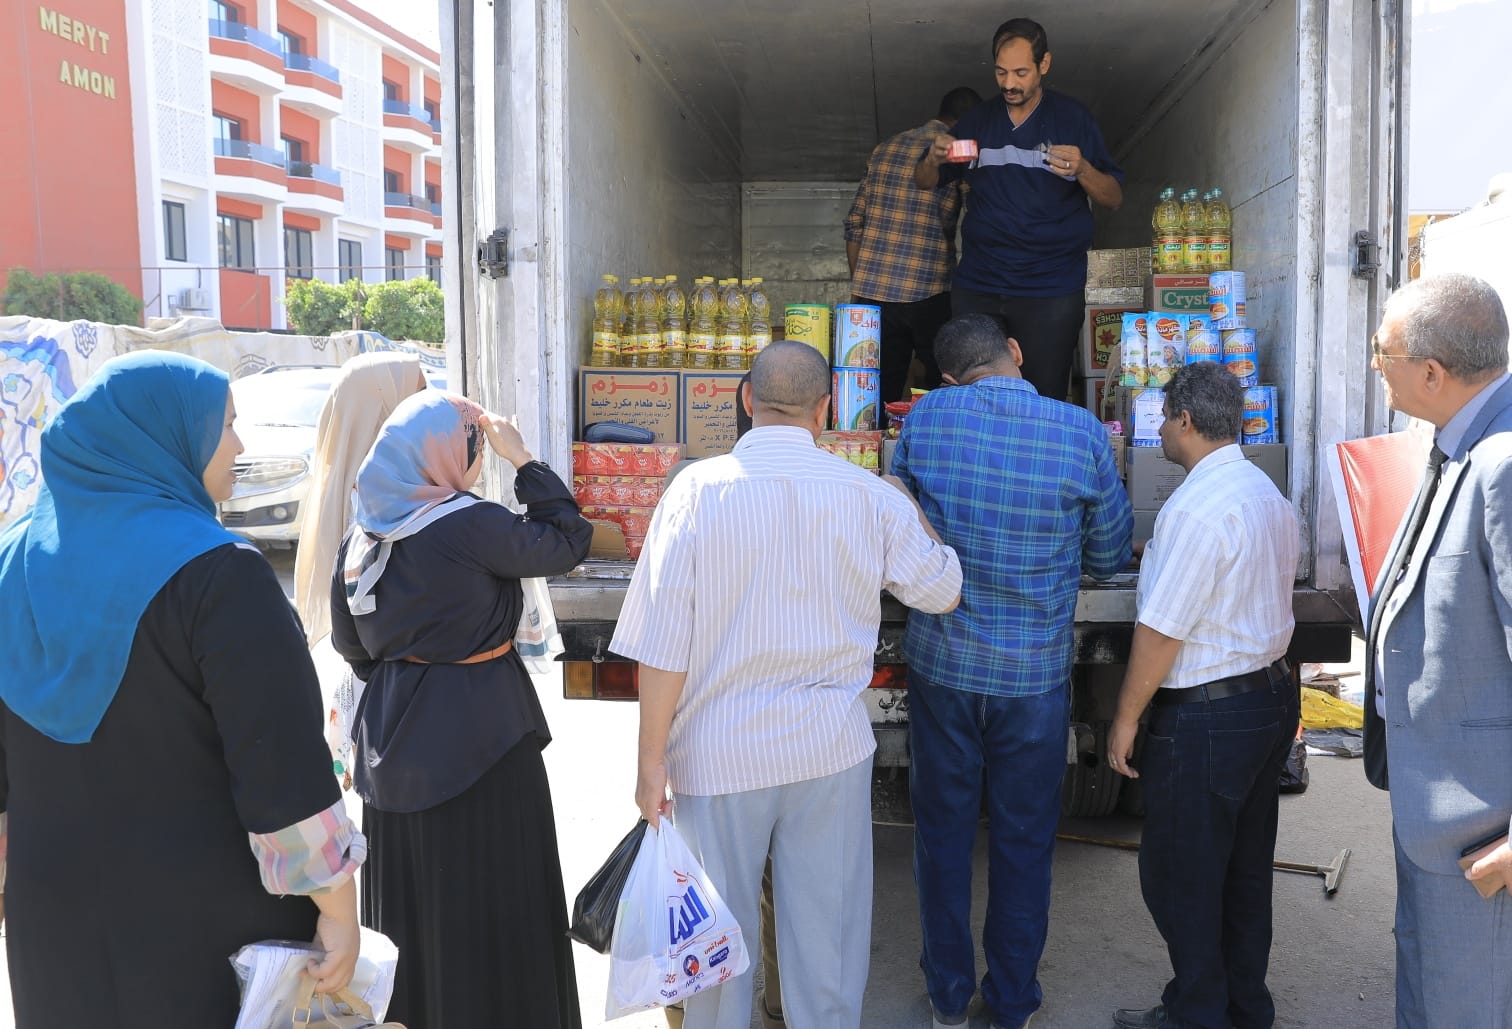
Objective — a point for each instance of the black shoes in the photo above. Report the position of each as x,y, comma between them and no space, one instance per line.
1149,1018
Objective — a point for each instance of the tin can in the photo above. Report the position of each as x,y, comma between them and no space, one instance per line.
1203,342
856,397
1227,296
1259,424
962,151
1241,356
1133,350
808,323
1167,344
858,336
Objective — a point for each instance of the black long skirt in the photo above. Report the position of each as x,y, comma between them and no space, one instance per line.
471,893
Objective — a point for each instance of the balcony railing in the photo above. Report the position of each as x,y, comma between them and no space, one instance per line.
407,200
408,110
313,65
318,172
249,151
247,34
435,206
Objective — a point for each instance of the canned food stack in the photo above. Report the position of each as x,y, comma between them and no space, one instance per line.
856,395
1228,307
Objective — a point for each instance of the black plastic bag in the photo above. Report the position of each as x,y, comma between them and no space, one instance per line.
1294,777
597,902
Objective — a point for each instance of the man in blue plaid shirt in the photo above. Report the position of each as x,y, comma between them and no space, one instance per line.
1026,491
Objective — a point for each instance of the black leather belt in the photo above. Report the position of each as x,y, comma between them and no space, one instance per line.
1231,686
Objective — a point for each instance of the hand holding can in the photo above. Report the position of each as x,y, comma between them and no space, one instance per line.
961,151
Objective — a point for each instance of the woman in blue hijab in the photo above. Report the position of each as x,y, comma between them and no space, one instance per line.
165,785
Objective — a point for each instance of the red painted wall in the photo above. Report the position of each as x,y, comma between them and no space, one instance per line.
299,22
392,242
296,220
59,212
246,300
397,72
238,104
303,128
397,161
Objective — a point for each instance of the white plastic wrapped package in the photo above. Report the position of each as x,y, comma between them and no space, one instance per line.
673,935
271,971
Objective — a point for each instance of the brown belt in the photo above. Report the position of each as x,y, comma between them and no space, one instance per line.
476,659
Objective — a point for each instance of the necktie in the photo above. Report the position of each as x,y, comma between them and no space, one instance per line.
1417,515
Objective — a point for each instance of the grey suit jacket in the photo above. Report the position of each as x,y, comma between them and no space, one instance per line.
1448,658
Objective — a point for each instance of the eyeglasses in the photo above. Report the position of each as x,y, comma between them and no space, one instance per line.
1383,357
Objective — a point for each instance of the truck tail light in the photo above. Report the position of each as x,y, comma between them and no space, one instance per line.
889,677
600,680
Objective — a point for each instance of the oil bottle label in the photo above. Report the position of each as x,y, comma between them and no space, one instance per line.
674,339
732,343
703,342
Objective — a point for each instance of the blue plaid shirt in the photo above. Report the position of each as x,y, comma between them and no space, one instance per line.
1026,492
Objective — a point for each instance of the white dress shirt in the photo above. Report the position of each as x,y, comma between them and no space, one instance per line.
1218,572
761,578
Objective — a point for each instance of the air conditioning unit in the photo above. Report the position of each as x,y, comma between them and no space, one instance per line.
194,300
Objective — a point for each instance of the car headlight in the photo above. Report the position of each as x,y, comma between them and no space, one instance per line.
267,474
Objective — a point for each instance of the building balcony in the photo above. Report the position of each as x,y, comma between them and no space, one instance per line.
246,57
315,189
250,171
409,127
312,85
409,214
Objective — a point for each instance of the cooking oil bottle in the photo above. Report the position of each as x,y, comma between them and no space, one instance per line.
674,324
731,354
607,304
1167,242
1220,232
1193,233
655,345
703,332
758,320
628,325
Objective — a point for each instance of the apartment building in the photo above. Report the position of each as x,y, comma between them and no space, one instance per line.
257,140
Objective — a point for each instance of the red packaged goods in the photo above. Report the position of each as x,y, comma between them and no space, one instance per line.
632,521
653,460
633,545
616,491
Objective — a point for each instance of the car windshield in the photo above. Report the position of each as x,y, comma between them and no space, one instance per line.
292,399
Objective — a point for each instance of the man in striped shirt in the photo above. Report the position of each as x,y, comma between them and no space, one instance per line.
1215,619
754,613
900,242
1025,489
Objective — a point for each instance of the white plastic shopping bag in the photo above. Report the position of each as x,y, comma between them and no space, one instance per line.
673,935
538,640
273,982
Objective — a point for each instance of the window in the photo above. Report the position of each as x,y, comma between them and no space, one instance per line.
433,112
392,182
220,11
293,150
432,192
236,250
292,44
299,251
433,267
349,253
174,246
395,261
390,90
227,128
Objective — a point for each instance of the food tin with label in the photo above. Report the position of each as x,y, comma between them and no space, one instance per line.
1259,424
1203,341
808,323
858,336
1227,297
856,398
1241,356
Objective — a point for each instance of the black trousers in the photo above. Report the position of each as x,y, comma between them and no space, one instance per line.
1046,329
908,331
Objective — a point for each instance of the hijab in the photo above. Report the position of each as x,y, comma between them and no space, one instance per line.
366,392
121,509
412,478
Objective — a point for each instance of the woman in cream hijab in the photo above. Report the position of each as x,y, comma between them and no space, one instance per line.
364,395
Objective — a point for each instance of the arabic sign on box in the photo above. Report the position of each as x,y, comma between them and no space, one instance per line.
709,402
646,399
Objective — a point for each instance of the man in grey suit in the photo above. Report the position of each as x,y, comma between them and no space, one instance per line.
1438,707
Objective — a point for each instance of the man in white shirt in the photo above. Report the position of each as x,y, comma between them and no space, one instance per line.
1215,619
754,613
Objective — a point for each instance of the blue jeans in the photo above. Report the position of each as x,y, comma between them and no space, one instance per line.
960,742
1211,771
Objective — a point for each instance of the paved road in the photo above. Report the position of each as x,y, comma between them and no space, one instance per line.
1331,964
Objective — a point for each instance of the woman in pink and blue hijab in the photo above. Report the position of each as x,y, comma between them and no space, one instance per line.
464,875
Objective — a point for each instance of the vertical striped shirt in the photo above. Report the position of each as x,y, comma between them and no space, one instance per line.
906,234
762,579
1218,572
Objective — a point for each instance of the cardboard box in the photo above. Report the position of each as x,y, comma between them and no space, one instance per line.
1144,525
889,448
616,491
1178,293
1132,297
1123,405
709,402
1146,419
1115,269
1101,337
646,398
1152,479
610,543
632,521
651,461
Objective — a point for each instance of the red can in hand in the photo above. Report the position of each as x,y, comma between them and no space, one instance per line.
962,150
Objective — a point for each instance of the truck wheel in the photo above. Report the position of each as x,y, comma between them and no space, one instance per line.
1090,789
1131,796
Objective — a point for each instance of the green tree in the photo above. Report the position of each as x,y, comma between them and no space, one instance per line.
410,309
317,308
71,296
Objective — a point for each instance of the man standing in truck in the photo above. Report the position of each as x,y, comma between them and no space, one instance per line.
900,242
1040,158
753,613
1438,658
1214,622
1026,491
